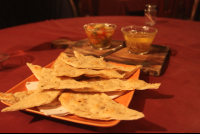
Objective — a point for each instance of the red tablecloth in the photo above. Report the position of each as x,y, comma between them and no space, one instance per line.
174,107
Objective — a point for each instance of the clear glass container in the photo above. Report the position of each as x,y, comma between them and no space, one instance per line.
150,14
138,38
100,34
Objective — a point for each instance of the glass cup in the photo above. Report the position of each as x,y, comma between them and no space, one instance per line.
150,14
99,34
138,38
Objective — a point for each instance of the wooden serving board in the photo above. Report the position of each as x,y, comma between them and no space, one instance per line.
152,62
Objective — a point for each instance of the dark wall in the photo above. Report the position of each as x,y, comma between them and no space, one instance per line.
197,15
17,12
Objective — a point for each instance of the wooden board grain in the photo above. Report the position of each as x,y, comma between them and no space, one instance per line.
152,62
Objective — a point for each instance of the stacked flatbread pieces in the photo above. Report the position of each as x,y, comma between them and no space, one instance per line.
80,84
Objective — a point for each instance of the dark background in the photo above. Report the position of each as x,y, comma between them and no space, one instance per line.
17,12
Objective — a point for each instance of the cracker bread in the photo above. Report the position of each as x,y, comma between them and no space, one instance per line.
81,61
7,97
91,62
48,81
107,74
97,106
69,60
63,69
99,63
36,69
55,107
21,95
13,98
36,99
107,85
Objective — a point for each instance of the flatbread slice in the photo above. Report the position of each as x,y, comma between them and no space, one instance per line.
69,60
36,99
55,107
129,71
48,81
107,73
107,85
91,62
7,97
97,106
13,98
63,69
36,70
99,63
84,61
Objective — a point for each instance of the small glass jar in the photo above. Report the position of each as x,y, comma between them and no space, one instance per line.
138,38
150,14
100,34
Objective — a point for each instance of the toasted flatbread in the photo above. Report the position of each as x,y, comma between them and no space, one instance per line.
99,63
7,97
97,106
91,62
107,85
63,69
128,71
13,98
36,99
48,81
55,107
84,61
36,70
107,74
112,94
69,60
21,95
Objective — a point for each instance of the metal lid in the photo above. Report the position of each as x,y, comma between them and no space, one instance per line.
150,6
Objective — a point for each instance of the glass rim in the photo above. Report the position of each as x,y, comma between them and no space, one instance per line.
142,27
151,5
110,24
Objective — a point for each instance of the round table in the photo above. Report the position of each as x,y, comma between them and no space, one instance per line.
174,107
